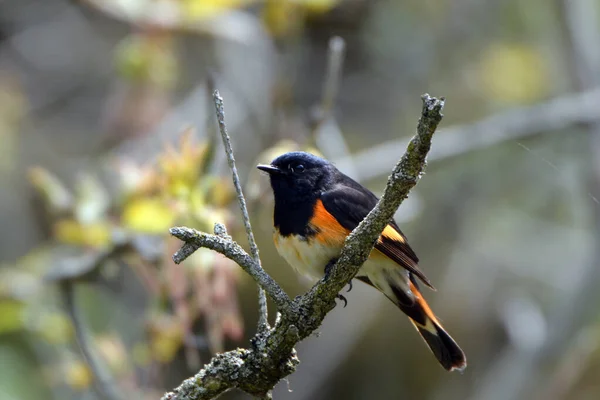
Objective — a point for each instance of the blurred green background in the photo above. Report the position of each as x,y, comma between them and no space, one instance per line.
108,138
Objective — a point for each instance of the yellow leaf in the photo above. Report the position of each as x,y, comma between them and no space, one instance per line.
164,348
58,199
137,180
166,337
148,59
78,375
513,73
55,328
148,215
11,316
112,349
198,9
214,190
282,17
181,168
318,6
70,231
141,354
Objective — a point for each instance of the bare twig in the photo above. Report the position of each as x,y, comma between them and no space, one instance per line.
67,274
326,132
263,323
144,14
272,356
553,115
105,386
222,243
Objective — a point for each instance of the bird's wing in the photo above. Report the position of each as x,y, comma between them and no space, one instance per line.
351,204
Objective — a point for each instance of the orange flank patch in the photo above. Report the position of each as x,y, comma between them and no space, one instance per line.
419,298
392,234
328,229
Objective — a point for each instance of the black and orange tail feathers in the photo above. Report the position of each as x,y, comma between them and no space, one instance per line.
444,348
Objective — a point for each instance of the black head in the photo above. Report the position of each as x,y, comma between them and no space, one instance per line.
298,176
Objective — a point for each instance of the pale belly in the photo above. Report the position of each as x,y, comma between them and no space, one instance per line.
306,258
309,258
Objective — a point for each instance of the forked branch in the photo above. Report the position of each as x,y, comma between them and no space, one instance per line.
271,356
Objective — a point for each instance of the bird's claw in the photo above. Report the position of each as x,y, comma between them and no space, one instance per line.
342,298
350,286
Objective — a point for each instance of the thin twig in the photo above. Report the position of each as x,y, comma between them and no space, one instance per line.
222,243
272,356
263,323
104,384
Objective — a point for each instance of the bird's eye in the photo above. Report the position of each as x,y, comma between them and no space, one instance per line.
297,169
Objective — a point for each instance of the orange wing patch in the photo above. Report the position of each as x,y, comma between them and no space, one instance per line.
328,229
392,234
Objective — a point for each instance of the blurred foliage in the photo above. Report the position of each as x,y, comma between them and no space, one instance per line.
147,58
513,73
285,17
90,227
11,113
280,16
92,90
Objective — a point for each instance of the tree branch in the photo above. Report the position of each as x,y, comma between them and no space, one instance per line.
105,386
272,356
67,274
222,243
552,115
263,323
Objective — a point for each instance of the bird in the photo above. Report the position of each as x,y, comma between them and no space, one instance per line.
316,207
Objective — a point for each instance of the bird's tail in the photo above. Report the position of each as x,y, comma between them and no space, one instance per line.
445,349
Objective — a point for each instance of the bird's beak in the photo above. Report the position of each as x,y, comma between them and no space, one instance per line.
269,169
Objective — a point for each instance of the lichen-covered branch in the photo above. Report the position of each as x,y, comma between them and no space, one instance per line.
271,356
404,177
222,243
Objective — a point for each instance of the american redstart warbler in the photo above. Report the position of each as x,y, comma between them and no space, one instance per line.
316,207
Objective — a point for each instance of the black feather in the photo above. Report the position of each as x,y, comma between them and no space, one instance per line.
349,202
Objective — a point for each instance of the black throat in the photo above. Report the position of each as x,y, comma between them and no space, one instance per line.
292,215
